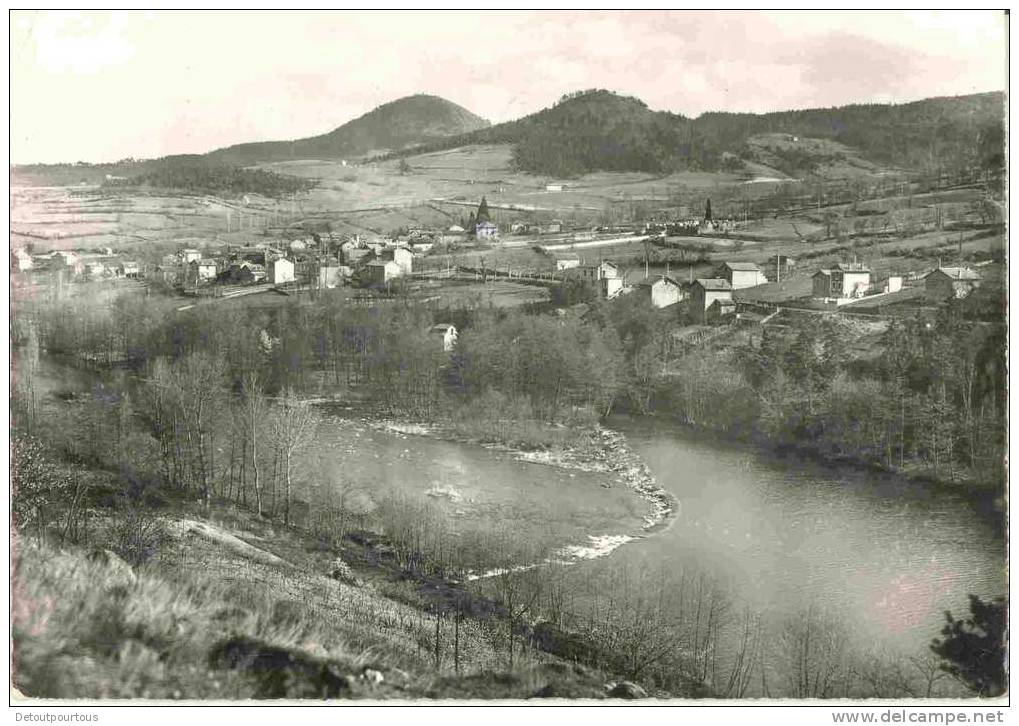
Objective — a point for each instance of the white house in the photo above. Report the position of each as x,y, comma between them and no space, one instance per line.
21,260
486,230
401,256
742,274
446,331
567,262
382,271
892,284
663,291
706,291
610,287
201,270
132,269
281,270
845,280
602,271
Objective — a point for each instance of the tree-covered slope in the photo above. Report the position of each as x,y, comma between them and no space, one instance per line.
602,131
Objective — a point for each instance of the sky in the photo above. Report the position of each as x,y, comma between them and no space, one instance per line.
102,86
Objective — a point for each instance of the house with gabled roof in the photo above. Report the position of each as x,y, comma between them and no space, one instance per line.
381,272
663,291
844,280
947,283
742,274
704,292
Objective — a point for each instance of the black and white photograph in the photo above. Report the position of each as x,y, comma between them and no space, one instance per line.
509,357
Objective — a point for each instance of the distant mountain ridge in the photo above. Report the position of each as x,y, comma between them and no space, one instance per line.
406,122
599,130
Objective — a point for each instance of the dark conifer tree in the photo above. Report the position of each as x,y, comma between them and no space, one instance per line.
483,215
974,650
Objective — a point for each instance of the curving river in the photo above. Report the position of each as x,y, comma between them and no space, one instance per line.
881,555
884,555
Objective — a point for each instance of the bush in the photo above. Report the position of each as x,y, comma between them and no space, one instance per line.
494,417
136,535
40,489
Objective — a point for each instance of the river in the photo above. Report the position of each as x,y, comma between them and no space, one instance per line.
883,555
880,555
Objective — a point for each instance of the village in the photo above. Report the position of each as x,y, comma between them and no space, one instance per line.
550,255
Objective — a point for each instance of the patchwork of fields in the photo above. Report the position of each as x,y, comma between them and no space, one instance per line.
897,234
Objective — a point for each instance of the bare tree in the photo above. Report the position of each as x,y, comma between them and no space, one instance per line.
292,425
745,657
199,379
815,649
928,667
254,407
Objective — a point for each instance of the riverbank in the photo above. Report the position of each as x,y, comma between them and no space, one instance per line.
605,451
608,454
987,500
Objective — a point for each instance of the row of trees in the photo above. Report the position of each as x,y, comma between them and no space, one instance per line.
555,368
929,400
196,174
682,632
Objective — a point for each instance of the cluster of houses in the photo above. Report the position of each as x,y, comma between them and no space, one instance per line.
554,226
75,264
851,281
191,268
710,299
422,240
374,263
692,227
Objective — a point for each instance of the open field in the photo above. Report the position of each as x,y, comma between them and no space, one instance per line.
442,188
495,293
834,160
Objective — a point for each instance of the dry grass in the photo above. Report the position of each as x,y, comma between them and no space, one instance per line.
89,629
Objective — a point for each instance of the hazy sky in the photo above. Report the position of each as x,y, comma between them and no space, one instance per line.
103,86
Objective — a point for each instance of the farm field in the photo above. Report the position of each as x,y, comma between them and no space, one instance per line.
495,293
440,189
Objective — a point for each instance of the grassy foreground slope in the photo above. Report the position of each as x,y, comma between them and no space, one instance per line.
233,608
